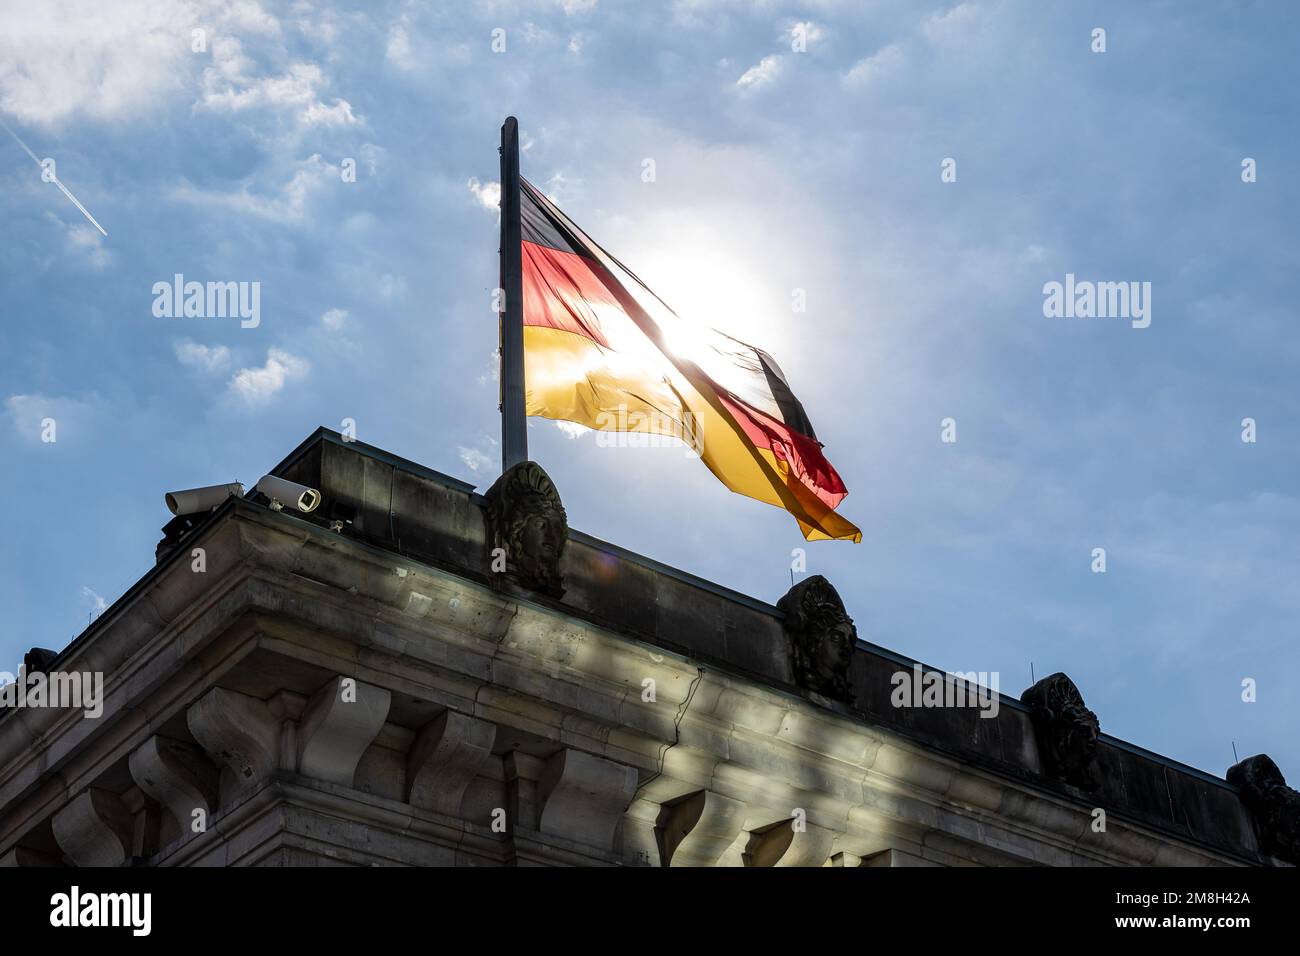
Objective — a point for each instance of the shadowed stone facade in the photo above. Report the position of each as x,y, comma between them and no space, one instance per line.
357,686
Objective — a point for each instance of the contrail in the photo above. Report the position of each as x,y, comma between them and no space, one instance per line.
84,211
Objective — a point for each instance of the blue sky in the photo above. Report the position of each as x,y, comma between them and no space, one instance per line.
775,170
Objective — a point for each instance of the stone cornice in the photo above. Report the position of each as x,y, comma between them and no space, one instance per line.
292,592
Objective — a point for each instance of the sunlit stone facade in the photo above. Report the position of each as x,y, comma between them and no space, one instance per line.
359,686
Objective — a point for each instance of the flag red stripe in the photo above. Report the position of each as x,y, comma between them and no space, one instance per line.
801,453
559,290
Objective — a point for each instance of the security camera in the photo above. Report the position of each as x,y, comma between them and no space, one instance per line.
196,500
282,492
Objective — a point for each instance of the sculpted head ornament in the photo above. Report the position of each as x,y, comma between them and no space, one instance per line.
1274,805
527,523
1066,730
822,637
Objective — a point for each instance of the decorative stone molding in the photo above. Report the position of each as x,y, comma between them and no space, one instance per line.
178,776
1066,730
822,637
583,797
695,830
94,829
24,856
526,521
523,773
239,732
340,722
1274,805
447,755
289,610
810,846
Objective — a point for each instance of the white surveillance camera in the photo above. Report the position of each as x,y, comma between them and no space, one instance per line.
282,492
196,500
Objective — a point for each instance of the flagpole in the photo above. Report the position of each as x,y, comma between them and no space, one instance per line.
514,425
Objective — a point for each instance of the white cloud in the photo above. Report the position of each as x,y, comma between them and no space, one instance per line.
110,61
247,16
255,386
390,286
570,7
572,429
289,206
812,32
951,26
340,114
372,156
761,74
87,241
334,319
28,414
493,371
559,188
877,66
228,59
85,56
488,194
399,46
474,459
206,358
227,88
97,603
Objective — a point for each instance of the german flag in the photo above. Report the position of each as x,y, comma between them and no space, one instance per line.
602,350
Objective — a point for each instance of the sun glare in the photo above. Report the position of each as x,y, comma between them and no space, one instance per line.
719,289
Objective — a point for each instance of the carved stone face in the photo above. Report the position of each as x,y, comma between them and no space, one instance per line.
1083,728
836,650
822,637
526,521
540,542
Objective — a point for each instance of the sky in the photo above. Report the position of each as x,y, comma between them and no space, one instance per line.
917,172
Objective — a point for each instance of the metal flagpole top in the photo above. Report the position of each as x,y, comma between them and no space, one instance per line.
514,422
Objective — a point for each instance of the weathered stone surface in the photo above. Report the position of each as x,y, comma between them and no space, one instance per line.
240,733
697,829
94,829
789,843
447,755
24,856
178,776
583,797
338,725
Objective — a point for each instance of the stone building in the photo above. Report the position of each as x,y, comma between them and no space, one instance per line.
417,674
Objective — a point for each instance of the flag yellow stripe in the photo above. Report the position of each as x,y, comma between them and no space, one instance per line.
571,378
